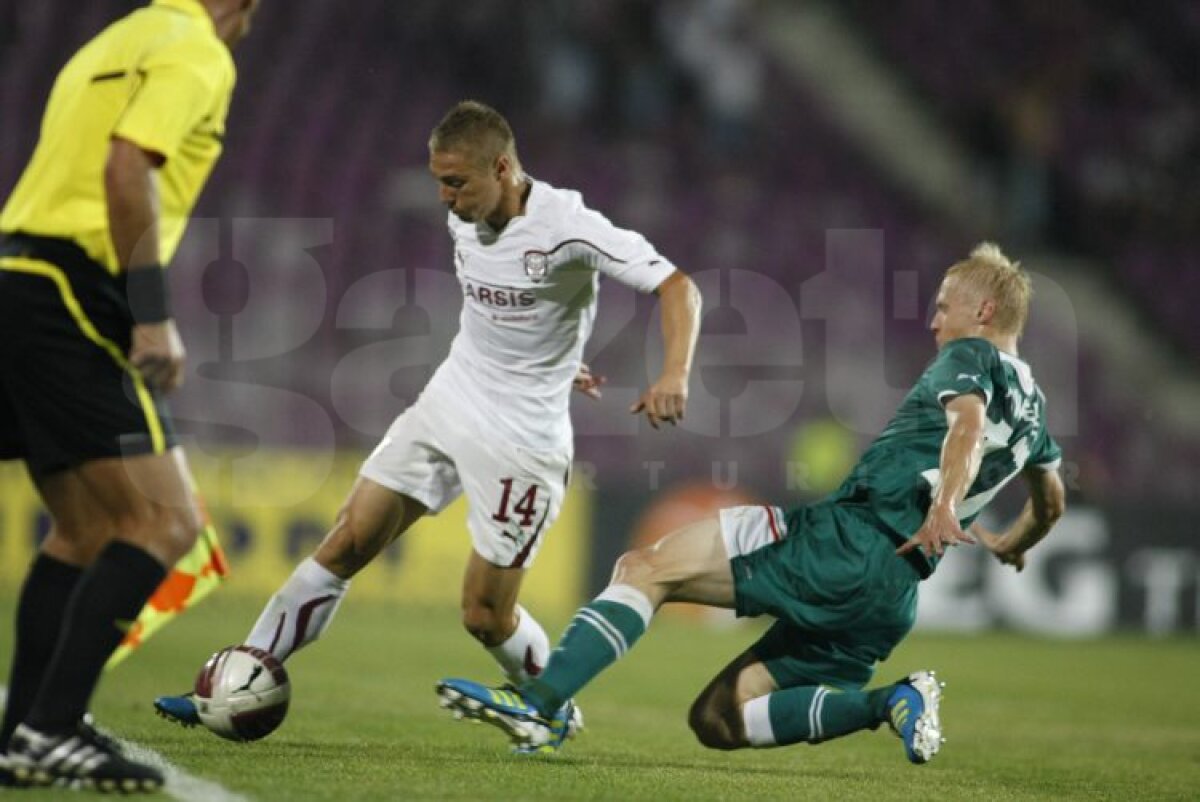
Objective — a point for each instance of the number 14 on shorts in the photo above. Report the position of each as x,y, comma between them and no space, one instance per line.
525,508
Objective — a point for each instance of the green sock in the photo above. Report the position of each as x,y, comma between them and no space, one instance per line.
599,634
814,713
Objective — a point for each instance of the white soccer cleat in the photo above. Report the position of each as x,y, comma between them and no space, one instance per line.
913,715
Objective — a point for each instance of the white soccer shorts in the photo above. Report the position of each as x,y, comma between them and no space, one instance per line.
514,494
749,528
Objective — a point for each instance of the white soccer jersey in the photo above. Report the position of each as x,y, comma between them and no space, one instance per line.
529,301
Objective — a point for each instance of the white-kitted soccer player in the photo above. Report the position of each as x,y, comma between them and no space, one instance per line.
493,421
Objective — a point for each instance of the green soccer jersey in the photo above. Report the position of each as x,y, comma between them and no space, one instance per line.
897,475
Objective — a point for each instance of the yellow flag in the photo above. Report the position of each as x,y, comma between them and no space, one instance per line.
197,574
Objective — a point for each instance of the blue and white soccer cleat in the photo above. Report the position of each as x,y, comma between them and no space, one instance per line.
570,711
913,714
180,709
568,717
505,709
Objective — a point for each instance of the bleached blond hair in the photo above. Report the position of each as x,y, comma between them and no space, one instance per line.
993,276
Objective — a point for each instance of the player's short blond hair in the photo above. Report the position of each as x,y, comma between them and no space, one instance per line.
991,274
477,128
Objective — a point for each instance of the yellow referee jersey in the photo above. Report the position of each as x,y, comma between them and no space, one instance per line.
159,77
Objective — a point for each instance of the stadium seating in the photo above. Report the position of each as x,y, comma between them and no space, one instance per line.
1117,131
342,136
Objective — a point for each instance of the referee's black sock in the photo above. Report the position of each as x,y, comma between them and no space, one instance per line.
40,610
105,604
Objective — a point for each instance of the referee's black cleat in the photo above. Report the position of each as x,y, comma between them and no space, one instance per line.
79,758
87,725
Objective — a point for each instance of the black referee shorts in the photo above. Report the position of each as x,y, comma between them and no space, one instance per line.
67,392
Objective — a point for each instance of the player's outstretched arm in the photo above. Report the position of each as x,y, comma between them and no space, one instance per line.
962,454
1046,504
666,399
129,189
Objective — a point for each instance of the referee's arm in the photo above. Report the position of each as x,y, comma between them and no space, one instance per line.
132,203
156,349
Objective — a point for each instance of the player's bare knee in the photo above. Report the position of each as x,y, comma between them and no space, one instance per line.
183,525
636,567
714,726
167,533
641,568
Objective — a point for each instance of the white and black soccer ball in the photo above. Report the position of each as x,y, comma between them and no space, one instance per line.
242,693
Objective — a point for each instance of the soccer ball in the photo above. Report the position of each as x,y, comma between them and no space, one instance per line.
242,693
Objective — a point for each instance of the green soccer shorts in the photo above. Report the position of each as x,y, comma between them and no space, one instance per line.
830,575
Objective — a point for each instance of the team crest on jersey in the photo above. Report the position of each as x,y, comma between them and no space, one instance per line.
537,266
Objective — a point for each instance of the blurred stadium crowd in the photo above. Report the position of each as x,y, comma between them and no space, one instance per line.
315,288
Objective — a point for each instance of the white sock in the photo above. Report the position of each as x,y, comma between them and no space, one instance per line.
632,598
526,651
300,611
756,720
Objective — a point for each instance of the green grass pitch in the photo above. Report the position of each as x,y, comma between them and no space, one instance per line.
1115,718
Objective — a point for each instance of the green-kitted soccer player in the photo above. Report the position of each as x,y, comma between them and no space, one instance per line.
840,576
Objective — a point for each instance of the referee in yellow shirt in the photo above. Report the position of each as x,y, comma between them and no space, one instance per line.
132,129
